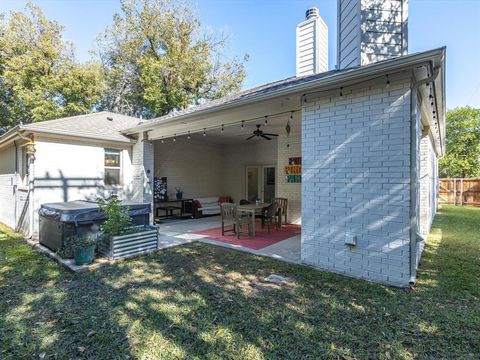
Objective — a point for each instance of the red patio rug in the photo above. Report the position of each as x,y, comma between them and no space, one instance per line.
261,239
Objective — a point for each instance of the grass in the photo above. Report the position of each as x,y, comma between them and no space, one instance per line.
205,302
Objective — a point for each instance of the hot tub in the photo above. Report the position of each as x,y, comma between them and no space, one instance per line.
59,221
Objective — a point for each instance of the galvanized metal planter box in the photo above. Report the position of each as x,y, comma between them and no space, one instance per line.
123,246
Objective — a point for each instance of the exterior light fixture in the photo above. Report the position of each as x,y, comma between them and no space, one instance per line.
243,124
387,85
162,141
30,148
175,138
222,129
204,131
341,91
266,120
188,136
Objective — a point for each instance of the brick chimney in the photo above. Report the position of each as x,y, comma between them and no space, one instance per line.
312,44
371,31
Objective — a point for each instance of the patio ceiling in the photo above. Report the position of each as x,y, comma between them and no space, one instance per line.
236,134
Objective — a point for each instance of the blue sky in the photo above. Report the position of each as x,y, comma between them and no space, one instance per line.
265,29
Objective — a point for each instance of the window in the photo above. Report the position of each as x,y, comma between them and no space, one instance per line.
112,167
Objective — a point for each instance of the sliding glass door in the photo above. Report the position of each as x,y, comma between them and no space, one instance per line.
260,183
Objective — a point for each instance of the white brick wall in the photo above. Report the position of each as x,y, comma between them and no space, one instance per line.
193,165
143,169
205,169
356,179
290,146
428,183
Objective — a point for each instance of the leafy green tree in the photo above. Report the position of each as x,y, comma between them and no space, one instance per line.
156,58
462,158
39,77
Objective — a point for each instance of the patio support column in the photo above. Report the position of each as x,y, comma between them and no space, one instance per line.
142,160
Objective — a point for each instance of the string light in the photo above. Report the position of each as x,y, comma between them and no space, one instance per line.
222,126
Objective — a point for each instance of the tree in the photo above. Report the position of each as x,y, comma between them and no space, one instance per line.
462,158
39,77
157,59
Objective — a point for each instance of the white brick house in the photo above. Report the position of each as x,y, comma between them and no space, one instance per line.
369,134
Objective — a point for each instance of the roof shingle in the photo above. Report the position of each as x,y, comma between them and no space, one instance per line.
101,125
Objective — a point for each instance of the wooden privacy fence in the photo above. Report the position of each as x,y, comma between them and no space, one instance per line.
460,191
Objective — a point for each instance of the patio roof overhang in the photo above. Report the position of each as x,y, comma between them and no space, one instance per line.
284,99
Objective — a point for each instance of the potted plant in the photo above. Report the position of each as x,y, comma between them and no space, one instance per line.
179,193
119,238
83,247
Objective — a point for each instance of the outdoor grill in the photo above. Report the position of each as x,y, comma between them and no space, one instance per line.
60,221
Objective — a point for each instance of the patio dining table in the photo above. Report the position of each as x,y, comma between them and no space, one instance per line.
254,208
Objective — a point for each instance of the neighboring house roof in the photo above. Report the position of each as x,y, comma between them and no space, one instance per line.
296,85
102,125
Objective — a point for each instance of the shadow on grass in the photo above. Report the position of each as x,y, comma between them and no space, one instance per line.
200,301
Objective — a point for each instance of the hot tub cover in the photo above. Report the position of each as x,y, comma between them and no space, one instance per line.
86,211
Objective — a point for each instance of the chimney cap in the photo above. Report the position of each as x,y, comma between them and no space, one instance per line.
311,13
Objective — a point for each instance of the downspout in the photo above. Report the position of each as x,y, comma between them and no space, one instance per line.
15,187
31,174
415,237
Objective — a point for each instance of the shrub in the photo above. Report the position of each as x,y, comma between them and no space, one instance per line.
117,218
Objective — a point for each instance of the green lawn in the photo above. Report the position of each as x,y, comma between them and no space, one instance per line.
205,302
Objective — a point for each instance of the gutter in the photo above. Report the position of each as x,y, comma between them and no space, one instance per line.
349,75
10,134
414,235
31,188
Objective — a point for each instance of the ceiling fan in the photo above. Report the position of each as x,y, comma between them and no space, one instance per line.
260,133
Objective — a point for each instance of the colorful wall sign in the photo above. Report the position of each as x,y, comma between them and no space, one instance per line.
293,171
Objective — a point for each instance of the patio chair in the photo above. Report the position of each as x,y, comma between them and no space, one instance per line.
282,205
231,216
270,216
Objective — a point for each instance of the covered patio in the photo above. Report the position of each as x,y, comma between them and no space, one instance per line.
237,156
